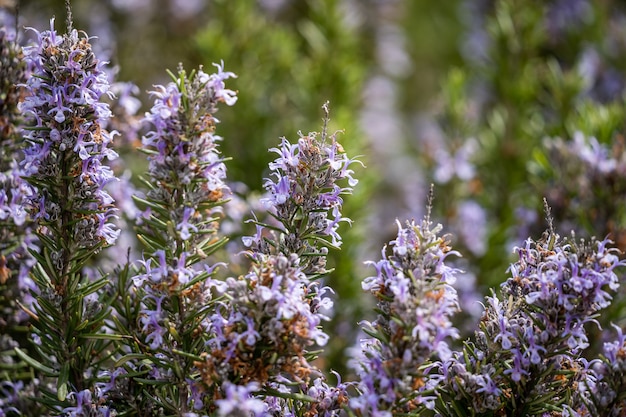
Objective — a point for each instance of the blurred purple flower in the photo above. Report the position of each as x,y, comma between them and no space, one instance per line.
471,226
455,164
239,401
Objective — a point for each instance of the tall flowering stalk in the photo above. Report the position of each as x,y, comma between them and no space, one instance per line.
305,199
15,232
263,331
165,304
64,162
526,356
397,365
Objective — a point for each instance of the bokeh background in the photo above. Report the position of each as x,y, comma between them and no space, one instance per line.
497,103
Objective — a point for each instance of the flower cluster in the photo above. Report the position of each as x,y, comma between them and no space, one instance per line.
170,288
304,197
272,316
67,145
182,146
71,212
16,237
601,392
526,354
263,330
415,303
592,197
15,232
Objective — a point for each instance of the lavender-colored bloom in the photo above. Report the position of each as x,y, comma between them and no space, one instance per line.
471,223
111,385
416,302
615,350
196,395
151,322
184,226
456,163
304,179
274,306
536,328
240,402
215,83
9,394
85,406
63,104
329,400
603,380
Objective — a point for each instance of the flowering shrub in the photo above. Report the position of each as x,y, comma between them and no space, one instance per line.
170,331
535,327
415,302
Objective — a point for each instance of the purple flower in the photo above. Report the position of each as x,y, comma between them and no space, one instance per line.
239,401
603,380
184,225
9,396
456,164
215,83
274,306
63,105
85,406
256,240
150,322
279,191
518,370
289,156
328,400
416,302
535,330
196,397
